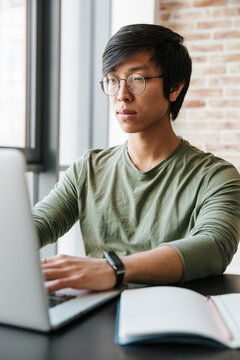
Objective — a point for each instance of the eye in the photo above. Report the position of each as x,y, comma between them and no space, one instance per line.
138,78
112,80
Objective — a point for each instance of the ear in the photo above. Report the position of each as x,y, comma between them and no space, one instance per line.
175,92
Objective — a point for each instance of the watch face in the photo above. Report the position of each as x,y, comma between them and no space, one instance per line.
116,261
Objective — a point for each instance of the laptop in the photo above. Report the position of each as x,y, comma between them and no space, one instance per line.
24,301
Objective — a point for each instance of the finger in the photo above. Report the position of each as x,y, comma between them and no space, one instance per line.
55,274
57,261
48,261
55,265
59,284
43,261
53,259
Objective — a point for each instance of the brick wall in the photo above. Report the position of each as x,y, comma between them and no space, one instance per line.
210,117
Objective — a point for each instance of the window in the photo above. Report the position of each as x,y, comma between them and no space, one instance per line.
19,120
13,41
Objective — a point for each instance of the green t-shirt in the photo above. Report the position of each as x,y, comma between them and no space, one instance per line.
190,201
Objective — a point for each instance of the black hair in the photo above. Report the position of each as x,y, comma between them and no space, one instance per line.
168,52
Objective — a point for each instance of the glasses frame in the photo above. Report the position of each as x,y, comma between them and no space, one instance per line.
118,81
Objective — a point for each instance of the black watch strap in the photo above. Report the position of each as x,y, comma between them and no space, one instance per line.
117,265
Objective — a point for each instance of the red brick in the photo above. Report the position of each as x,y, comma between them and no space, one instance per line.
214,24
197,81
205,70
233,57
224,81
181,27
197,59
210,2
197,36
226,12
225,103
169,5
219,58
191,14
205,92
233,45
194,103
225,58
230,125
205,47
206,114
227,35
165,15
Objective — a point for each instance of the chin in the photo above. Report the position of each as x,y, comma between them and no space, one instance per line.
128,130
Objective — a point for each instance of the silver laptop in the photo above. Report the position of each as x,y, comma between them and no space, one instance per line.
24,301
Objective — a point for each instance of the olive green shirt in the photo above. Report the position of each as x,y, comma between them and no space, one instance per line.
190,201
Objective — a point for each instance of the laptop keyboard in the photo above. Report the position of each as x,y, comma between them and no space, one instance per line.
56,299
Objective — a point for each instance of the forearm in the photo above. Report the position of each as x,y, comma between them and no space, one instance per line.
159,266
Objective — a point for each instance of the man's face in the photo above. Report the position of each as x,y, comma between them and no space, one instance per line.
138,113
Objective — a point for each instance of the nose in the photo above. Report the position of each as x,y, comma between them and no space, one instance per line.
124,94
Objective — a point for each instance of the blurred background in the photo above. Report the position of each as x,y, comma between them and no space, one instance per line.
51,103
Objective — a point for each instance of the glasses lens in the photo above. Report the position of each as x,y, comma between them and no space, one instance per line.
110,85
136,83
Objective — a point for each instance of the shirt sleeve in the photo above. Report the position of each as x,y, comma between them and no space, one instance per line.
212,242
58,211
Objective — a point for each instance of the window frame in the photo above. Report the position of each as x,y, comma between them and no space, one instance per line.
43,91
34,123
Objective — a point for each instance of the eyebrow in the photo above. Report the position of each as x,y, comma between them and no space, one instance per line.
134,68
140,67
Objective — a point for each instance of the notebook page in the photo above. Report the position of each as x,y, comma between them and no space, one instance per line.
167,309
229,306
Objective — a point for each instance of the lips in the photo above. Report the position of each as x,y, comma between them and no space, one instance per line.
126,112
126,115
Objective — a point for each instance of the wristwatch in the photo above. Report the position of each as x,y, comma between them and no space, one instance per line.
117,266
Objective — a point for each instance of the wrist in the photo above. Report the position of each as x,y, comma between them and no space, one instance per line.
109,274
117,266
128,262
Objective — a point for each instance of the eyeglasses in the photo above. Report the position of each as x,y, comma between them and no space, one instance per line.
136,84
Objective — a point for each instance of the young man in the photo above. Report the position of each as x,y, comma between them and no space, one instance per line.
165,210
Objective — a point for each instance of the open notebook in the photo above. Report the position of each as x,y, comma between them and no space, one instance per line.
174,314
24,301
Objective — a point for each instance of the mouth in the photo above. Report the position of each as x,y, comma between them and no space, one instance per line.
126,111
126,114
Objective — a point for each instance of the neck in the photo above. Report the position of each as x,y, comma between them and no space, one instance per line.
148,149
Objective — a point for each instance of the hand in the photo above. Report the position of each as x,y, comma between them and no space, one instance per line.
79,273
